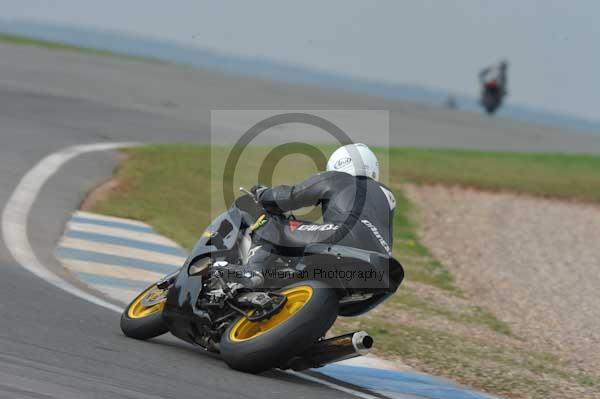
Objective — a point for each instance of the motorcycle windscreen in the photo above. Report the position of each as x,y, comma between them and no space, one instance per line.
220,236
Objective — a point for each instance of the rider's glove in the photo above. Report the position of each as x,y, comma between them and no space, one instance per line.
257,190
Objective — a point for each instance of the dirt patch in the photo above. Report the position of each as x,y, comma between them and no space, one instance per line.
534,261
101,192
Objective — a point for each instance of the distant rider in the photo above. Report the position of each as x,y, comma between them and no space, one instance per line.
495,77
358,211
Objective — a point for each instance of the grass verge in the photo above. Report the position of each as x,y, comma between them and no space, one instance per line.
33,42
504,369
548,175
429,324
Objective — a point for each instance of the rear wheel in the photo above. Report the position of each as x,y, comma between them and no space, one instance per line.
142,319
490,103
310,310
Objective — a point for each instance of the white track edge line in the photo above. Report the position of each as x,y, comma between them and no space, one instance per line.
359,394
17,209
14,232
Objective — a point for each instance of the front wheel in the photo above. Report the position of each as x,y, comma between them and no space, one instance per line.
142,319
310,310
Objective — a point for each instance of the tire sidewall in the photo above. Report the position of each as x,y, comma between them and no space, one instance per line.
272,348
145,327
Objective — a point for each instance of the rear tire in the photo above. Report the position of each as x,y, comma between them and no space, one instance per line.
143,322
293,336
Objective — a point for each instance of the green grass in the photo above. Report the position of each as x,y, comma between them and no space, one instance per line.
548,175
178,189
476,315
33,42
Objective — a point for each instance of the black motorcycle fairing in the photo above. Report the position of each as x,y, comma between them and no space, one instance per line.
361,307
219,242
343,258
220,236
351,259
181,313
249,206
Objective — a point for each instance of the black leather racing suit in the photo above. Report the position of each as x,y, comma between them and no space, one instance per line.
496,73
357,212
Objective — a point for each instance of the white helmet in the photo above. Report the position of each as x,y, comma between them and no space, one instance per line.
356,160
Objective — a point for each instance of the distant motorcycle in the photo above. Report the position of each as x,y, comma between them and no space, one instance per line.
493,81
491,97
262,329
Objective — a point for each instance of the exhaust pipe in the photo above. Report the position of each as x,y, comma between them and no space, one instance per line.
333,350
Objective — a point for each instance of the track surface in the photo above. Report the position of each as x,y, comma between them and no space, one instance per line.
53,345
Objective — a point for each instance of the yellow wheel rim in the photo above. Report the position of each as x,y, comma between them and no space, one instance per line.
245,329
147,303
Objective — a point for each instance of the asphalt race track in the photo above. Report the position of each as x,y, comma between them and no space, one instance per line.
55,345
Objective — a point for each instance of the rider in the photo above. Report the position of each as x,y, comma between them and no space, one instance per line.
358,211
495,77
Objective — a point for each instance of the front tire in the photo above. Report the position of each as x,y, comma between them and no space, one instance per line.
142,318
254,347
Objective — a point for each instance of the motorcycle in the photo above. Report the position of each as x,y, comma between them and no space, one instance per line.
491,96
257,330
